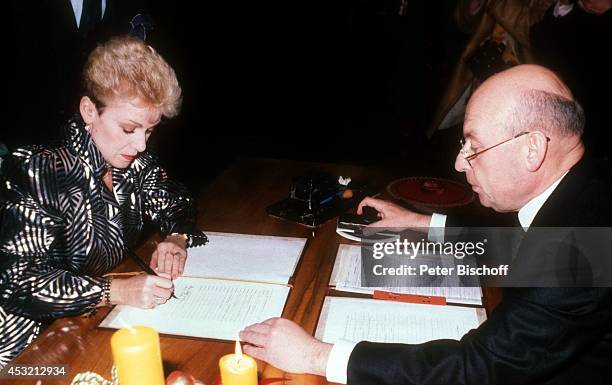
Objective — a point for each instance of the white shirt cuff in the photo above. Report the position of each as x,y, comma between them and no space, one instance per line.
436,227
337,363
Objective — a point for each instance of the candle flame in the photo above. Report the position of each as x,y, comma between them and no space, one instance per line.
238,350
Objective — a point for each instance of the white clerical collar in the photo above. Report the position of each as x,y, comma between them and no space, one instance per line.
528,212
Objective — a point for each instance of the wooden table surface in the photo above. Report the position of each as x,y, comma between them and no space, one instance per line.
234,202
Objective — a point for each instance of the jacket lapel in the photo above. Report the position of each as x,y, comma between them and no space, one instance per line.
552,213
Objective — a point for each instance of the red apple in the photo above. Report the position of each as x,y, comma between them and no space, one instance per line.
179,377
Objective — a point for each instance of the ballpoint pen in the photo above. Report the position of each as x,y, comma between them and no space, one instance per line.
146,268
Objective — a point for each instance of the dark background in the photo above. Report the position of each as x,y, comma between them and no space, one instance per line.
344,81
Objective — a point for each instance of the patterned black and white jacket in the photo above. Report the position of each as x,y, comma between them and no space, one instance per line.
61,229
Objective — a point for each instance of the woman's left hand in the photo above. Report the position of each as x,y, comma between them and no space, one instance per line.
170,256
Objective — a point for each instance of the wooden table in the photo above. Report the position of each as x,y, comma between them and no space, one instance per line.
234,202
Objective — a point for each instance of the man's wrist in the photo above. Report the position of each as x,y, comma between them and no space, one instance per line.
337,363
424,221
321,356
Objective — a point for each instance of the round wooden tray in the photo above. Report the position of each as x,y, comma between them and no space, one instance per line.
431,192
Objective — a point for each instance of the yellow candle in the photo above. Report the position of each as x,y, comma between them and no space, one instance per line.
137,356
238,368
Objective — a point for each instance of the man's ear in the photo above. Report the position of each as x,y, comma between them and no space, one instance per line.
538,146
88,110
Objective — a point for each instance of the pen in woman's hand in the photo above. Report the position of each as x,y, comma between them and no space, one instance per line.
146,268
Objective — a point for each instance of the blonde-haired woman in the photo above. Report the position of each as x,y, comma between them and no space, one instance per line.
68,213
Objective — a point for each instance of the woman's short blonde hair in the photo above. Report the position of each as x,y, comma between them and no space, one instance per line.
126,68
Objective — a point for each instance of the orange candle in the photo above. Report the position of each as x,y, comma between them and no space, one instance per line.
137,356
238,368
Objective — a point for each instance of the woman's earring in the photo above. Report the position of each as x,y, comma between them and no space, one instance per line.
88,127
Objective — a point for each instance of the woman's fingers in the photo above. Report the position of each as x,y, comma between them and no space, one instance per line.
170,258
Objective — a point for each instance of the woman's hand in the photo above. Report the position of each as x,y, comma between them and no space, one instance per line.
170,255
145,291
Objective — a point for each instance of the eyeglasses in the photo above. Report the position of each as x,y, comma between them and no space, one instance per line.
469,157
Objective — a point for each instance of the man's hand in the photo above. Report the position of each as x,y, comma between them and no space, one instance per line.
169,257
145,291
392,216
286,346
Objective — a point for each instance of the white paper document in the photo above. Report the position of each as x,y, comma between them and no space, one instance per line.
244,256
346,276
357,319
233,281
206,308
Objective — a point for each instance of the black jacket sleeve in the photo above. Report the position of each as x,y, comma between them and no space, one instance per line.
532,335
169,205
31,283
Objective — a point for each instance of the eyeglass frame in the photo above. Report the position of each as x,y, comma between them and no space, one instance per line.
473,156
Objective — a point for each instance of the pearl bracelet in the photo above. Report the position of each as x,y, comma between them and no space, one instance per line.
106,291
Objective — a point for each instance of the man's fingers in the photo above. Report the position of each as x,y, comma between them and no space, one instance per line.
253,338
271,321
255,352
377,204
259,328
364,202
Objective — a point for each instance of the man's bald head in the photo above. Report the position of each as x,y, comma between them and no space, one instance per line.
531,97
525,126
527,77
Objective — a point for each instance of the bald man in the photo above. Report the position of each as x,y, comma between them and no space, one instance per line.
522,153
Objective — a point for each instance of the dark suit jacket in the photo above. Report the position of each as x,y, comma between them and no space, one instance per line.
535,335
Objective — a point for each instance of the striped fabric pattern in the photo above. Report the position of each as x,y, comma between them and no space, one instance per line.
61,229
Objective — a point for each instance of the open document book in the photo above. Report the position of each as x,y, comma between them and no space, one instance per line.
360,319
232,282
346,276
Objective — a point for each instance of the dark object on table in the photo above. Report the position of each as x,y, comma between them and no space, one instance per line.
316,188
352,226
369,216
431,193
316,197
